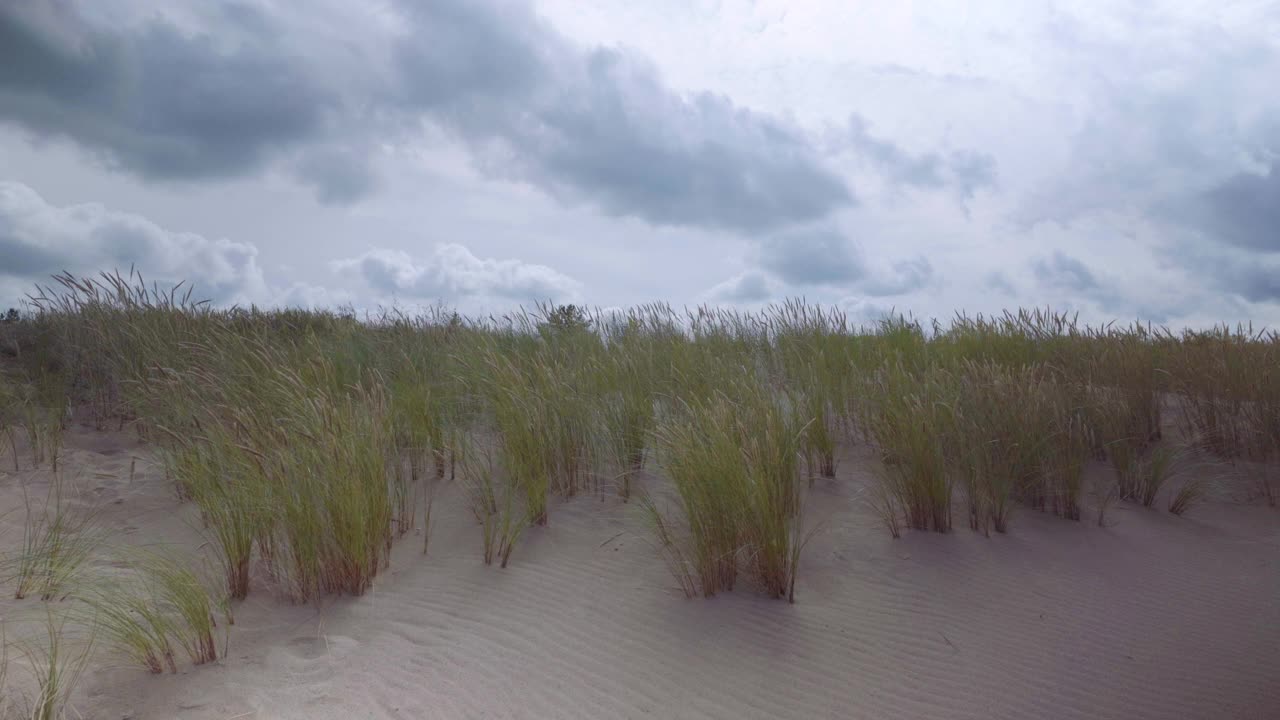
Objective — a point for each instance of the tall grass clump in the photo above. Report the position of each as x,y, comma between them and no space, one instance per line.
192,605
44,436
700,455
57,538
159,607
734,464
773,438
1214,373
287,449
1162,465
411,427
225,482
520,418
498,504
423,393
908,417
629,374
56,663
1192,492
627,414
811,346
1066,454
1228,390
1123,444
8,403
328,472
564,365
999,426
103,336
132,624
540,415
1129,363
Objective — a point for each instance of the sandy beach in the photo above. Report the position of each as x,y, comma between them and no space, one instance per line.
1153,616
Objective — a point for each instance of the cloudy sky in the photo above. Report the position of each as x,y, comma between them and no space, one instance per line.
1116,158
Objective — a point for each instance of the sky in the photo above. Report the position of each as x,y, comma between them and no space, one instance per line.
1118,159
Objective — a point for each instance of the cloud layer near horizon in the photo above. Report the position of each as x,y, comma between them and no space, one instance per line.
39,240
1122,160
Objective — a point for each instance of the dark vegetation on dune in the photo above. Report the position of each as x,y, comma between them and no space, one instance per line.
311,441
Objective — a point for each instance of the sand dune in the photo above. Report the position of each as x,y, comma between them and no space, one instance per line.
1152,617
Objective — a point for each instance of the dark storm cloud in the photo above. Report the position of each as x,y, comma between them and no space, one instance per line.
153,100
597,125
1254,282
22,259
1240,273
601,125
475,59
1243,210
966,171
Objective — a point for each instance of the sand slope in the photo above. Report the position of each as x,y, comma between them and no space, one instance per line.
1153,617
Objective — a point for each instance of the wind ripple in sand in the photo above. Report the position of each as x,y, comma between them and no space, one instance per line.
1155,617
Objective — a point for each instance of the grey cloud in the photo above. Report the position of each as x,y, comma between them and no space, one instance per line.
972,171
748,287
866,313
602,126
1237,273
1063,271
473,58
1255,283
598,126
1164,117
966,171
1243,210
903,277
153,100
824,256
38,239
453,272
999,282
248,18
339,176
821,256
22,257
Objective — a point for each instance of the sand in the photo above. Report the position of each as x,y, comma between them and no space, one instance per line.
1152,617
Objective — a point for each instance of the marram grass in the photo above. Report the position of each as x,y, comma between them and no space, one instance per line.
310,439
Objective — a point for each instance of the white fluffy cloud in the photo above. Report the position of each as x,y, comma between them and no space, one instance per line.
452,273
39,239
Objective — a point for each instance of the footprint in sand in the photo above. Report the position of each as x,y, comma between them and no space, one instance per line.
308,648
